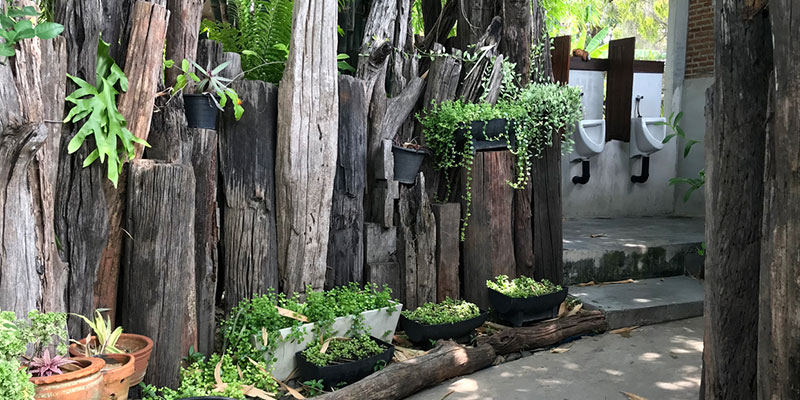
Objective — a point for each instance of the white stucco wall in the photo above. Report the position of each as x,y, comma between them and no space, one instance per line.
694,124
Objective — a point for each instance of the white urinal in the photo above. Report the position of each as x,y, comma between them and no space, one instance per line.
590,139
647,136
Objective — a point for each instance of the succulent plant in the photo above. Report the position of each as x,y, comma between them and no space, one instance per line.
46,365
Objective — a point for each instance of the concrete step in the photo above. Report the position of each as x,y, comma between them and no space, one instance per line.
645,301
611,249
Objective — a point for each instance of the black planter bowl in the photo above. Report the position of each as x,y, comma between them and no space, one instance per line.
521,310
421,333
334,375
201,112
406,164
481,137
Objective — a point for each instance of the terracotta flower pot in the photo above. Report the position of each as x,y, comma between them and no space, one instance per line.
117,375
137,345
85,383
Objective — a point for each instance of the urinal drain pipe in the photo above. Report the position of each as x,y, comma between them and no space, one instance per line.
645,172
581,180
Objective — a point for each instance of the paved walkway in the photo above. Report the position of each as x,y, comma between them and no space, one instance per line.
656,362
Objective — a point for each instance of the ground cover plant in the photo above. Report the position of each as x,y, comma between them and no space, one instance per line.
342,350
522,287
448,311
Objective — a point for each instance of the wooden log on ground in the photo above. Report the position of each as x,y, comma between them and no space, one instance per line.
158,279
143,69
31,273
247,169
308,117
448,228
346,248
545,333
400,380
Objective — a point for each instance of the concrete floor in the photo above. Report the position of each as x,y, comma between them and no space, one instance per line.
630,233
656,362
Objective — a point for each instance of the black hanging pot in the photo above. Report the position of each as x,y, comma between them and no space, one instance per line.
201,112
485,133
406,164
421,333
333,376
520,310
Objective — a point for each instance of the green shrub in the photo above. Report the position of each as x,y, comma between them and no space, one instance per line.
342,350
447,312
14,381
522,287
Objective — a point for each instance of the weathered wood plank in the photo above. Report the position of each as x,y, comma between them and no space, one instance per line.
247,169
448,225
308,116
620,89
158,278
545,333
184,23
384,273
346,248
416,245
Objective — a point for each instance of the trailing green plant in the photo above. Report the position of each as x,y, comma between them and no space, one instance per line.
522,287
673,123
341,350
260,31
448,311
106,338
16,24
211,84
96,108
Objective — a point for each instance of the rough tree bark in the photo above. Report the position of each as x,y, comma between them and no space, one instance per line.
31,273
545,333
779,314
735,161
184,23
247,169
346,248
307,142
158,274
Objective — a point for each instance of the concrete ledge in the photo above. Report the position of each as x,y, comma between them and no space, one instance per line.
644,302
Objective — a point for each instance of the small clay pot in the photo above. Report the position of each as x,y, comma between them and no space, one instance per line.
85,383
137,345
117,375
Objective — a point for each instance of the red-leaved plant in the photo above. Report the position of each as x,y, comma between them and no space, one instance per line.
46,365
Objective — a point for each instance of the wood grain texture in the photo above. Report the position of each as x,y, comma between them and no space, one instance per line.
734,151
400,380
184,27
545,333
346,247
247,172
158,278
779,314
448,224
620,89
308,115
416,245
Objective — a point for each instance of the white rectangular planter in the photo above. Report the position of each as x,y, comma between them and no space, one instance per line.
379,322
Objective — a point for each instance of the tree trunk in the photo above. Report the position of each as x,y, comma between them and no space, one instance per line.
31,273
307,143
184,27
346,248
545,333
400,380
473,19
159,272
735,156
416,245
779,314
247,170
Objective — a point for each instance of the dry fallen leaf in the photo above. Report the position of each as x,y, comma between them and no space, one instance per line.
562,309
292,391
559,350
590,283
598,235
264,336
291,314
252,391
220,386
617,282
575,310
624,332
632,396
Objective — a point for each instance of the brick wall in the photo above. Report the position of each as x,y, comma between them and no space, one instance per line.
700,41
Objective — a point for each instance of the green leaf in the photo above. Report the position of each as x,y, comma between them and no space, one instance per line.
185,65
668,138
30,11
249,53
678,118
597,40
688,148
680,131
91,158
169,63
15,12
6,22
25,34
6,50
48,30
342,56
219,68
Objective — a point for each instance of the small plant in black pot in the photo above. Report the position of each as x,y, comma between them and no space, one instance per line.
450,319
211,94
408,157
340,361
524,299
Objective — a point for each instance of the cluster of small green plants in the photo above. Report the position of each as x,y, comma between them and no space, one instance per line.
341,350
448,311
522,287
250,334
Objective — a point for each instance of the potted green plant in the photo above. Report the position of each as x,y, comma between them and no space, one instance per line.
211,93
117,346
38,345
408,157
450,319
343,360
524,299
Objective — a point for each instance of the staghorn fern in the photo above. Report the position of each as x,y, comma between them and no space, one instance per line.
260,32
